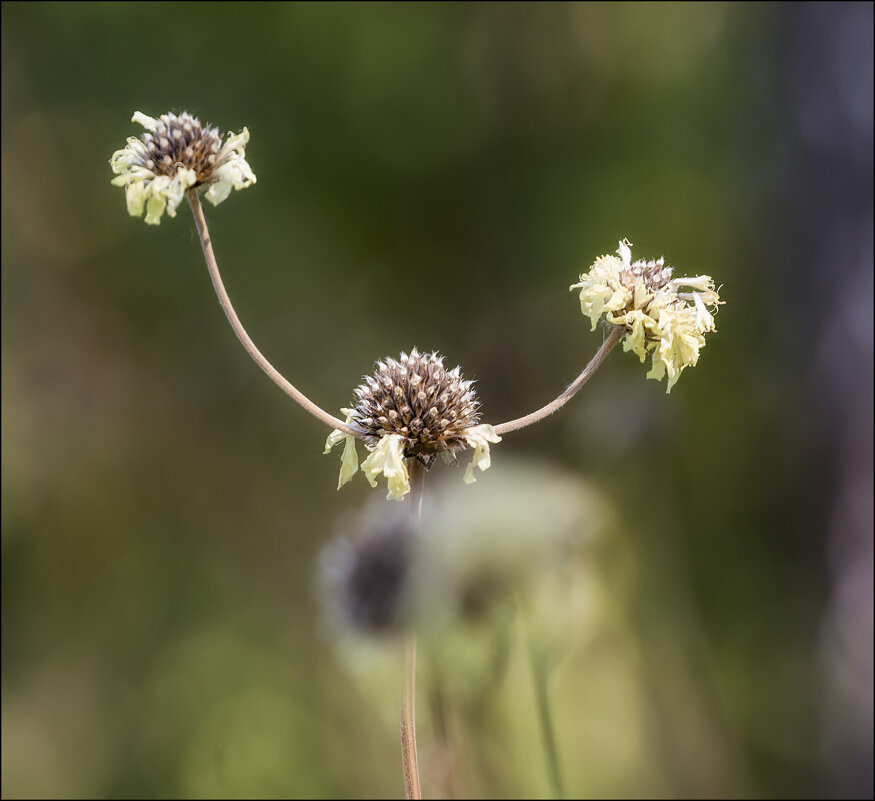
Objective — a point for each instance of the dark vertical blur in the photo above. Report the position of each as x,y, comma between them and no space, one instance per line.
828,75
437,175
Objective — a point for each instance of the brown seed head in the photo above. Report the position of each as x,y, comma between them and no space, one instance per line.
419,399
181,140
654,274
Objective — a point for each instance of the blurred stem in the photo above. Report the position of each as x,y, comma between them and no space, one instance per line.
545,719
409,757
272,373
441,724
573,389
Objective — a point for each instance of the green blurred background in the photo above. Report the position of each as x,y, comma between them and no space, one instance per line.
436,175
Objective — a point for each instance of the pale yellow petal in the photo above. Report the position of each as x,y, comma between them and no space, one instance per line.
146,121
478,438
175,191
388,459
349,462
636,340
333,438
218,192
155,208
135,196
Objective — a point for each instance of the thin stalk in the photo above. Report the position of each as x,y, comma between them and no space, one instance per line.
545,720
272,373
573,389
409,756
442,734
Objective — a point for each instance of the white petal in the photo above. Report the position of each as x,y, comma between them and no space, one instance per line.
218,191
147,122
704,320
700,282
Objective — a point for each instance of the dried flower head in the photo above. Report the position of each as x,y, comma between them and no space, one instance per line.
659,317
175,154
413,408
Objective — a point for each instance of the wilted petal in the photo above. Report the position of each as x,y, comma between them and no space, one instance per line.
478,438
135,195
349,461
640,325
388,458
155,208
643,297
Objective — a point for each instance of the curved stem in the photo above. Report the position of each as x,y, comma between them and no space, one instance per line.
573,389
409,756
272,373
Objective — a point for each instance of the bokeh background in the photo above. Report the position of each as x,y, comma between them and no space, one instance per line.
437,175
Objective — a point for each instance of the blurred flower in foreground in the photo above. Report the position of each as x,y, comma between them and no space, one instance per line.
643,297
413,408
522,532
516,545
175,154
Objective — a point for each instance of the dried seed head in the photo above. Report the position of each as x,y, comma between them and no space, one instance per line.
413,408
418,399
175,154
654,275
181,140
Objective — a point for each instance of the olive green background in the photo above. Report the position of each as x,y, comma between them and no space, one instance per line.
436,175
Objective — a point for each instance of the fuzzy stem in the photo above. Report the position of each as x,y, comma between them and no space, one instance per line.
409,757
272,373
573,389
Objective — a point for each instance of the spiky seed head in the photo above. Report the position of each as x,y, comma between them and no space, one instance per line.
654,275
417,398
181,140
175,154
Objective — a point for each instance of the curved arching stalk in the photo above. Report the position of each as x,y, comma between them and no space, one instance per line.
573,389
272,373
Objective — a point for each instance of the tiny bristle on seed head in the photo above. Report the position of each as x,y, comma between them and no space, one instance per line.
403,393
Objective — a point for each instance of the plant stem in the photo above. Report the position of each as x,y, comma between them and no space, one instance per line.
272,373
545,719
442,734
573,389
409,757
